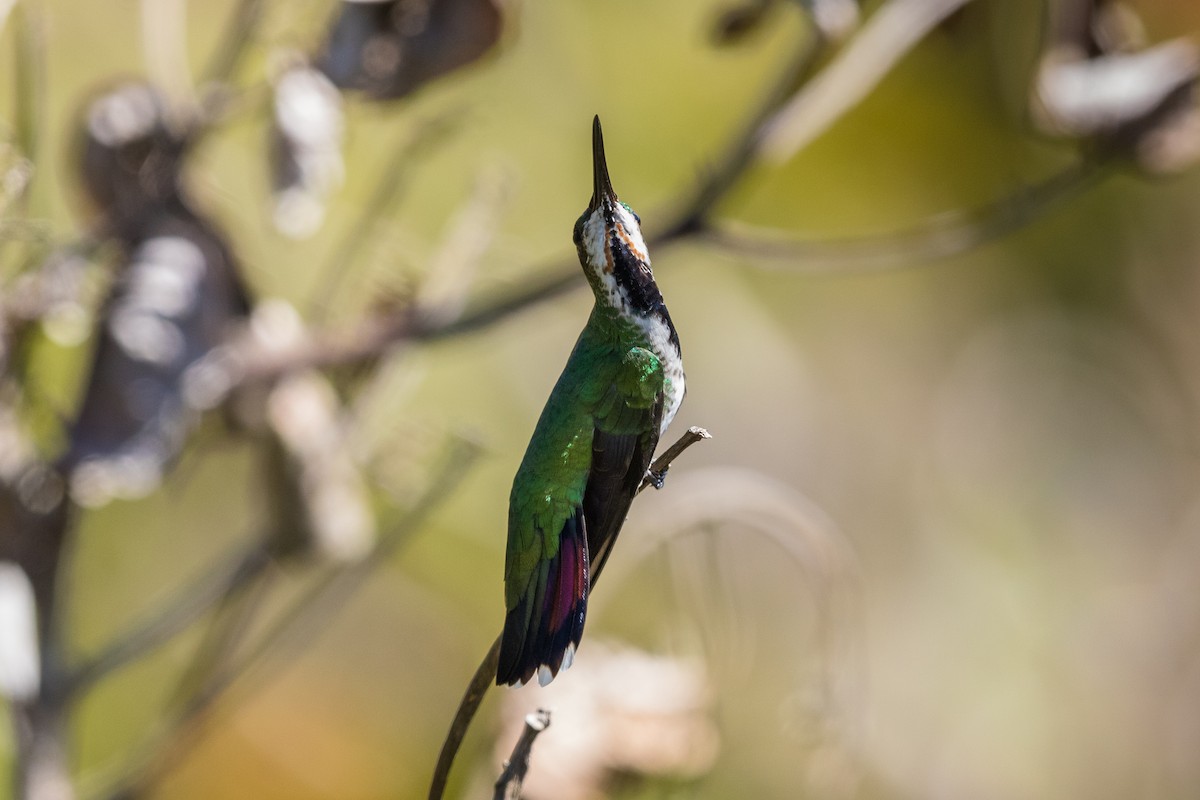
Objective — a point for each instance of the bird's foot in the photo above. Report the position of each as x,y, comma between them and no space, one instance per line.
657,479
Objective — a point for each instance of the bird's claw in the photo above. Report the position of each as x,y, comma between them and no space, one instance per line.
657,479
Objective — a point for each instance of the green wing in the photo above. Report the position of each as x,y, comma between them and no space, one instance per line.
625,434
581,471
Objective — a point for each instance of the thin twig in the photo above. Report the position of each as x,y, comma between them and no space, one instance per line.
164,30
239,32
41,726
31,295
939,237
393,180
724,174
191,604
387,330
230,624
485,673
693,219
477,689
888,35
662,463
508,785
293,627
6,6
29,108
368,339
470,233
30,77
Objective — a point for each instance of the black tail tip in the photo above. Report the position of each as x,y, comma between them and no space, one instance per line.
519,676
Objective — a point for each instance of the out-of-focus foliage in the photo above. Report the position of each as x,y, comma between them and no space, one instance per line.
1007,441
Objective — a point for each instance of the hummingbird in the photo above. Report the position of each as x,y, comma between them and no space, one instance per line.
593,444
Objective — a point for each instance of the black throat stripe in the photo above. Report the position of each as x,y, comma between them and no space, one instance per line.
638,284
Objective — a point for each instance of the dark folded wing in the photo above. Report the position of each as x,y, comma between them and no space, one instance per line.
619,462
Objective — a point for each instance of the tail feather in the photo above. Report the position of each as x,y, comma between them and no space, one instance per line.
543,630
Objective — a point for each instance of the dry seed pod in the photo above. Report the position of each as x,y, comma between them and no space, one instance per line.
1098,81
129,157
306,148
175,299
389,49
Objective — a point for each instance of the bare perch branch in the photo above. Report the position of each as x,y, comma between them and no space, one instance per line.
663,462
481,681
508,785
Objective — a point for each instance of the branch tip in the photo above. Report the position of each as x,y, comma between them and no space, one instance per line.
508,785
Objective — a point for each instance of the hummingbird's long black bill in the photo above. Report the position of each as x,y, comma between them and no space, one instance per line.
602,190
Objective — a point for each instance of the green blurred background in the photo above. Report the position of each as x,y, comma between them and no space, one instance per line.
1005,441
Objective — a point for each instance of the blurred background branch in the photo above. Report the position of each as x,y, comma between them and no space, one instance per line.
293,627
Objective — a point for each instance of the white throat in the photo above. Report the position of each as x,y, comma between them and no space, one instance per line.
598,248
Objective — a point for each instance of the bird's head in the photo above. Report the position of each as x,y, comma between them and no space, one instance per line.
611,249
